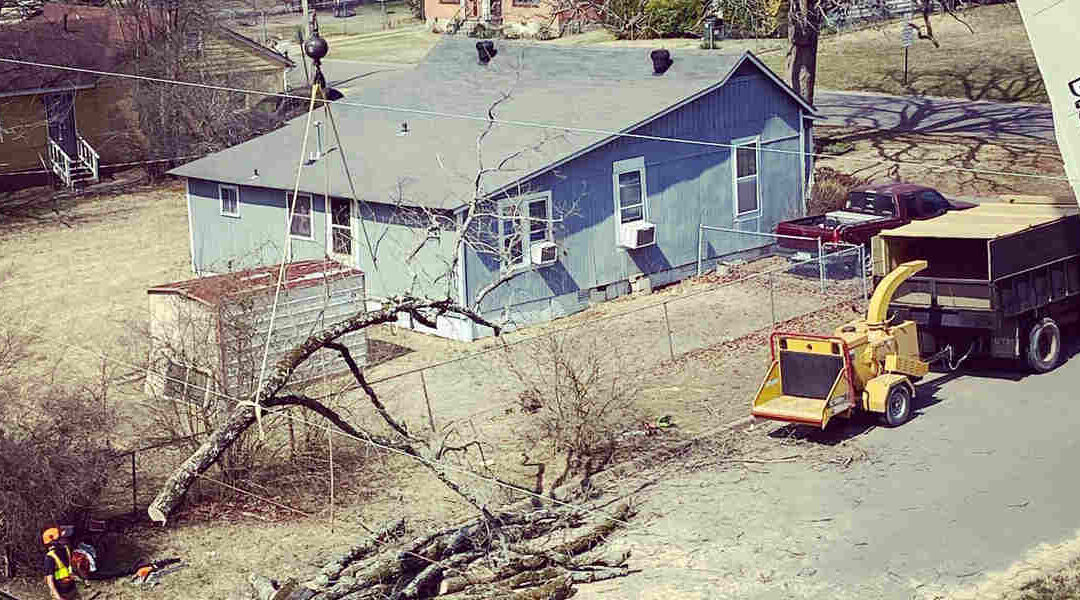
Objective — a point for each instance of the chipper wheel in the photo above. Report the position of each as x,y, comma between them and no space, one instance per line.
1043,346
898,406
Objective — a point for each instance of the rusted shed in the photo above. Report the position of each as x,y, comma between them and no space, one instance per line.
208,334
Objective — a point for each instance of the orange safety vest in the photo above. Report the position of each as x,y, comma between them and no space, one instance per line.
63,568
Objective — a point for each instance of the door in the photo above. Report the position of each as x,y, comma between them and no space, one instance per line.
341,240
60,115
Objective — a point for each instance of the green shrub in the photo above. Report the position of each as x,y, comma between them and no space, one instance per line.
669,18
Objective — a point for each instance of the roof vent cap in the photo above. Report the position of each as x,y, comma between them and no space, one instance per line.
485,51
661,61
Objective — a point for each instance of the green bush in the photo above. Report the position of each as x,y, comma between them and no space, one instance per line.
669,18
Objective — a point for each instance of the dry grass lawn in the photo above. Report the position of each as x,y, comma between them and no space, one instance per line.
994,63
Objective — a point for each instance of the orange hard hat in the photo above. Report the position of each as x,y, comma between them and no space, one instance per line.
50,535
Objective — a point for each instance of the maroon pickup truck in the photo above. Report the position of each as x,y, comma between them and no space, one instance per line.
870,209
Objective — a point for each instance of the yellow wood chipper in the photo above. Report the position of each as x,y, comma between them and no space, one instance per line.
868,364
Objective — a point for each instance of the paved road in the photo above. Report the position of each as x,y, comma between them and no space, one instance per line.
935,115
985,472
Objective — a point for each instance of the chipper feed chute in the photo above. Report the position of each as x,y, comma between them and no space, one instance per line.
809,381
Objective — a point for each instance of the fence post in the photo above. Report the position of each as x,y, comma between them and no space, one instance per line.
821,265
330,445
667,323
699,253
427,401
772,301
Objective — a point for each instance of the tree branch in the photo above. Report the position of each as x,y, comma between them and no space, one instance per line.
359,376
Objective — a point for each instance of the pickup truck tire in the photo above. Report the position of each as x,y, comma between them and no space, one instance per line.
1043,346
898,406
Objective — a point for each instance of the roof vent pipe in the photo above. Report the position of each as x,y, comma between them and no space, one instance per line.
485,51
318,135
661,60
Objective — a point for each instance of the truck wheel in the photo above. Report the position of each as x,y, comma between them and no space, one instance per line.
898,406
1044,346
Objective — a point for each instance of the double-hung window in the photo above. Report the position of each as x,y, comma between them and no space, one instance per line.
300,224
230,200
340,226
628,186
524,221
747,202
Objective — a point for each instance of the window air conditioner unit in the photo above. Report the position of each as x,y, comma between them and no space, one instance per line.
637,234
544,254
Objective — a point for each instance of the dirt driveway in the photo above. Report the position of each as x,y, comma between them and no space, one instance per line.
974,496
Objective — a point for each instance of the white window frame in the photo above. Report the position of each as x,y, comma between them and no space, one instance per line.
311,216
221,200
187,369
620,167
735,144
331,226
524,228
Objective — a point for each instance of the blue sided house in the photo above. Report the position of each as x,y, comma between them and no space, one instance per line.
599,169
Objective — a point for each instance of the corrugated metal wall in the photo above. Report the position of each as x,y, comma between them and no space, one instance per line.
300,313
687,185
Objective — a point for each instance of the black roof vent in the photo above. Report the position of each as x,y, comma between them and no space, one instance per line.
485,51
661,60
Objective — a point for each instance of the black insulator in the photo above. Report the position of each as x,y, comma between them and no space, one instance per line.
316,47
661,60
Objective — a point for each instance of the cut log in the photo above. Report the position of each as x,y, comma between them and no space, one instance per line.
264,587
596,536
285,591
423,585
364,549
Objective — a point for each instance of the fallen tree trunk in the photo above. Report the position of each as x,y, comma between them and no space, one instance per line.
243,415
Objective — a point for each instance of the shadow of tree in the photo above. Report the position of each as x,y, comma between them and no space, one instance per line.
1020,82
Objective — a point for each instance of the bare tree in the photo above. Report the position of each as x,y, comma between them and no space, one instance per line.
168,41
54,444
580,398
806,18
479,226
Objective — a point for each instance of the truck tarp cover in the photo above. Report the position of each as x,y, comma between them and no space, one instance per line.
808,375
984,222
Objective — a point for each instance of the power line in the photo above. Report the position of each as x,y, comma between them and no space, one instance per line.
108,165
528,124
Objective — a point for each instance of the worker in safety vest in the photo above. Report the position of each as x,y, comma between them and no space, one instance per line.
59,576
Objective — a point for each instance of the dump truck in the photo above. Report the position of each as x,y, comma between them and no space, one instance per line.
869,364
1003,278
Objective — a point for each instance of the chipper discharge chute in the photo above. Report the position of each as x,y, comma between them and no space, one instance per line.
868,364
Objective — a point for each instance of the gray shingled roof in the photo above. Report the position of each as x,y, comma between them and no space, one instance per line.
435,163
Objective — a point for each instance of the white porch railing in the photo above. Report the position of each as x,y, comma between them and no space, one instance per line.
88,156
61,162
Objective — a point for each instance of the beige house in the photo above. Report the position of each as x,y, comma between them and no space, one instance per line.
73,122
